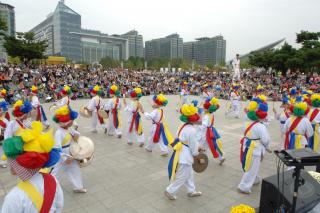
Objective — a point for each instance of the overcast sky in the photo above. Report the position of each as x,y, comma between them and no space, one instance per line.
245,24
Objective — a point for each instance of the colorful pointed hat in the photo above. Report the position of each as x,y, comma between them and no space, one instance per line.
64,115
34,89
189,113
3,92
315,100
259,88
96,90
257,109
66,90
135,93
31,151
114,90
300,108
3,106
235,86
160,100
21,108
211,104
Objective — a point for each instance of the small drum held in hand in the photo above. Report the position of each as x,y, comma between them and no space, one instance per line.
84,112
82,151
103,114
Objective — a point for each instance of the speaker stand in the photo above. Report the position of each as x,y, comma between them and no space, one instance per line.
297,183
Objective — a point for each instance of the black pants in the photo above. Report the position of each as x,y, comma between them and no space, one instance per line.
318,168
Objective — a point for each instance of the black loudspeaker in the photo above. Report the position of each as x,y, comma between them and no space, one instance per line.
272,198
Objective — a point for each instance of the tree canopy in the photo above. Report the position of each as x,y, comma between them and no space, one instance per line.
25,47
306,58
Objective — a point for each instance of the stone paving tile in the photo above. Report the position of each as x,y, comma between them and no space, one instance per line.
125,178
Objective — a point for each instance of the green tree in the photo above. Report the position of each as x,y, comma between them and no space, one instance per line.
210,66
309,53
108,62
25,47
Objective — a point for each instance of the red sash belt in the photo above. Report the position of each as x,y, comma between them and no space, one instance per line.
50,186
134,117
115,114
38,113
314,114
99,116
292,127
157,133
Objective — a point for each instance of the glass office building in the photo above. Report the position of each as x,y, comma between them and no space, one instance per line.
62,29
7,14
57,28
135,43
170,47
206,50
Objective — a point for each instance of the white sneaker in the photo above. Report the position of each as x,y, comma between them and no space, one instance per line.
170,196
195,194
243,192
3,166
149,150
80,190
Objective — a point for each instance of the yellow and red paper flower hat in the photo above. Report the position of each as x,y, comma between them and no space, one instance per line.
160,100
3,92
66,90
32,149
136,93
21,108
300,107
257,109
34,89
315,100
259,88
96,90
184,83
189,113
242,208
64,114
114,90
211,104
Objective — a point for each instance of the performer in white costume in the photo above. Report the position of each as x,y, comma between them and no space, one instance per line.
236,68
235,101
185,147
113,107
283,115
159,132
65,116
255,142
209,136
314,118
3,125
94,106
20,112
298,128
134,108
184,94
66,101
40,113
36,192
3,95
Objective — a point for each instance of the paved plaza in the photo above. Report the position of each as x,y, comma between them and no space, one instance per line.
125,178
